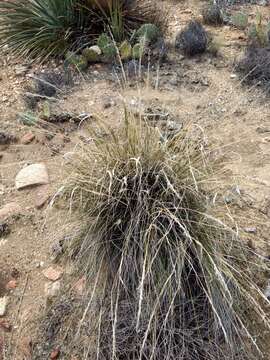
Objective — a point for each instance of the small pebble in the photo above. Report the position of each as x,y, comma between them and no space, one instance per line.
250,230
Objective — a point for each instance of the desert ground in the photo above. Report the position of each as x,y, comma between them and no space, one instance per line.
206,90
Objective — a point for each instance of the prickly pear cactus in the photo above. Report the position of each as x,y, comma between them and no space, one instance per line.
107,47
125,50
137,51
258,32
92,54
149,32
72,58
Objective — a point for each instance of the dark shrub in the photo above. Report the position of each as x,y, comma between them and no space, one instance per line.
45,85
192,40
212,15
255,66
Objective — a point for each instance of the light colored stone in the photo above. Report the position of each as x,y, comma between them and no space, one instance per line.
9,210
3,305
35,174
251,230
52,289
53,273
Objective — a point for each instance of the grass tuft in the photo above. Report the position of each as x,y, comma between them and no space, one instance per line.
172,281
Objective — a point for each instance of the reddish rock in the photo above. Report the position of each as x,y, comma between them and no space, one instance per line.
5,325
9,210
80,286
27,138
25,347
11,285
42,196
55,354
53,273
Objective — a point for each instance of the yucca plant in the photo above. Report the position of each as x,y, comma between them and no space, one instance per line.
172,280
41,28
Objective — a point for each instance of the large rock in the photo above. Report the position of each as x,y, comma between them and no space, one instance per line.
35,174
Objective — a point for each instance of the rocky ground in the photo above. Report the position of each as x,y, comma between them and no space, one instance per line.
205,91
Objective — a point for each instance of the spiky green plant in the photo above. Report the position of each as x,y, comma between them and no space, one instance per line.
240,20
41,28
258,32
172,281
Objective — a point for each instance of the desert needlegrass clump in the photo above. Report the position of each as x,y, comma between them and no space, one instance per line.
171,280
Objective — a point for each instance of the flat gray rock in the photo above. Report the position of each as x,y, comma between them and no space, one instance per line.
35,174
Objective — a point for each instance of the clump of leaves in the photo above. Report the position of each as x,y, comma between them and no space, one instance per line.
192,40
212,15
254,66
240,20
172,281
